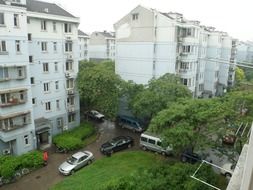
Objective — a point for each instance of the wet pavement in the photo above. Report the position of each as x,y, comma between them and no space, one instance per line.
46,177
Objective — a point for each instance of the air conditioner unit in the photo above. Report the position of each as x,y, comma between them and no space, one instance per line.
6,151
70,91
68,38
71,109
67,74
65,128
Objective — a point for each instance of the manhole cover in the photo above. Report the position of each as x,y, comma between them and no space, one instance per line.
37,177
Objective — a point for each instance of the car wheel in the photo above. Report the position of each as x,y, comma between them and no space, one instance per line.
163,153
144,148
129,146
89,162
72,172
183,159
228,175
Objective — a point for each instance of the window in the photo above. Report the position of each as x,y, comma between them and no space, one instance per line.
68,47
187,49
55,46
70,83
59,122
18,46
135,16
57,85
71,100
144,139
34,101
184,81
45,67
43,25
29,37
67,28
201,87
32,80
26,140
4,73
71,117
216,74
56,66
30,59
16,20
1,18
44,46
48,106
57,104
2,46
151,141
54,26
20,71
28,20
69,66
46,87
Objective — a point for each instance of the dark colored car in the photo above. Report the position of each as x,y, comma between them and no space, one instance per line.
95,115
117,144
130,123
190,157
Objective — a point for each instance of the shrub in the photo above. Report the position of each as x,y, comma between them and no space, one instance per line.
72,140
10,164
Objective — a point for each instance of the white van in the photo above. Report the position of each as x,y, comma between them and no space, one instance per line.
152,142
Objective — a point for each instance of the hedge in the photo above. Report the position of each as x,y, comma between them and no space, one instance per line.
10,164
74,139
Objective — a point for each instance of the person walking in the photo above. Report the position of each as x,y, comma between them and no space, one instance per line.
45,157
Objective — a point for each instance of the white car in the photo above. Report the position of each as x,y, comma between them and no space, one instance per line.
93,114
75,162
227,169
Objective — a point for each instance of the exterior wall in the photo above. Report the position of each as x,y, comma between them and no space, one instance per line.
52,76
83,43
22,136
14,139
101,47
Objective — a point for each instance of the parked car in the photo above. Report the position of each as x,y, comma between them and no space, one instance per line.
95,115
117,144
152,142
227,169
75,162
190,157
129,123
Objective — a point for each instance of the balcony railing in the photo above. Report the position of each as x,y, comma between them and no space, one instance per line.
14,121
13,97
12,73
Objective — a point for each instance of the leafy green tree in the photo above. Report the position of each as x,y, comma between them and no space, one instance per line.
239,75
99,87
157,95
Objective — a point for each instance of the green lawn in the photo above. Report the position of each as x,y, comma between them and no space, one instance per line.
101,171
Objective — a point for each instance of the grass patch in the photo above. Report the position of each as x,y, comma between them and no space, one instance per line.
101,171
75,138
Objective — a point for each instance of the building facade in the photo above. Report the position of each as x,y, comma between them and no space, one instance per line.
102,46
150,43
245,52
83,42
38,66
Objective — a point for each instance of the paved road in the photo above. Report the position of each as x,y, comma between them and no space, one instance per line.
46,177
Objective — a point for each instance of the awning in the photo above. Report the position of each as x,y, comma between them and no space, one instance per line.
43,130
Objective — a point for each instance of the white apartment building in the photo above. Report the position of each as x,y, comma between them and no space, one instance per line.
102,46
38,67
245,52
83,42
150,43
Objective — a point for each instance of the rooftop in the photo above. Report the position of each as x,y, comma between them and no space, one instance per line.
81,33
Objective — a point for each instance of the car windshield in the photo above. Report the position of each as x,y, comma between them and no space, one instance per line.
113,141
72,160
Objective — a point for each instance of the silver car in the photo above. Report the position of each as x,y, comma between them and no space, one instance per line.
75,162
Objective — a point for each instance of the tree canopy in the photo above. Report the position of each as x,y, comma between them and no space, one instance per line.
99,87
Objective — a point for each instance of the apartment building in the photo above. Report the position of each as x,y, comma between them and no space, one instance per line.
38,67
83,41
245,52
150,43
102,46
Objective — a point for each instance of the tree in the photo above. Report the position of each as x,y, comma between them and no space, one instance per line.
157,95
99,87
164,177
239,75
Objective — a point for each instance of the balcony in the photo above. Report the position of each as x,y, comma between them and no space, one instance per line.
12,73
13,97
70,91
71,108
14,121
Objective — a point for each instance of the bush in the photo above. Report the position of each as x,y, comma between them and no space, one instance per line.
74,139
10,164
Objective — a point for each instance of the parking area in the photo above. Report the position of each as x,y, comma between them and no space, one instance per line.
46,177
